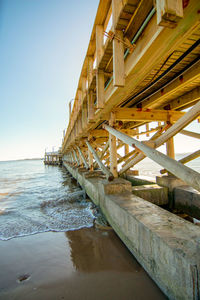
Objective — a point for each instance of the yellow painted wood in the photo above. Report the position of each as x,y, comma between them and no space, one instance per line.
113,148
134,114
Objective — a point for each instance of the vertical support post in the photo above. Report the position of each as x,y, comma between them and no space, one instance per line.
79,120
118,60
137,131
99,43
90,69
84,114
84,80
100,88
90,103
126,149
170,148
70,109
118,47
113,148
147,129
90,157
79,99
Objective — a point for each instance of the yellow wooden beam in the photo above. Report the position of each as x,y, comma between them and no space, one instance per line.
134,114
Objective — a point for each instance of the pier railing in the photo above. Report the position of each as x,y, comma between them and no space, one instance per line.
140,75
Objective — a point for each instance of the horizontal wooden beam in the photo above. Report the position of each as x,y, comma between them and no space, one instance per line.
150,115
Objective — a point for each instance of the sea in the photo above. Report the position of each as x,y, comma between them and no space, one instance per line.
37,198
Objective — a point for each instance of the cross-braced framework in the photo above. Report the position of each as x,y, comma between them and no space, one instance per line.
150,89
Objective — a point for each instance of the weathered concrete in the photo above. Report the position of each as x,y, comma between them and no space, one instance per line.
187,199
136,180
167,246
170,182
152,193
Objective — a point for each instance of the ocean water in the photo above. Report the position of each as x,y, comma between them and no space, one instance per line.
37,198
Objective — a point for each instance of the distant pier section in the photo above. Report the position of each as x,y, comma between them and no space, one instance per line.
53,158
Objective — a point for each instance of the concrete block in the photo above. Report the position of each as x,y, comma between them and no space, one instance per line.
152,193
117,186
93,174
136,180
169,181
187,199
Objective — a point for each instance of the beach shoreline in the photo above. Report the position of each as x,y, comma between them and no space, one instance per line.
83,264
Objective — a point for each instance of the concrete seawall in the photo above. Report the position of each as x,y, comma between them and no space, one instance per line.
167,246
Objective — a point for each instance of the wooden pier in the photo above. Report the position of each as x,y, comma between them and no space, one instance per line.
53,158
140,86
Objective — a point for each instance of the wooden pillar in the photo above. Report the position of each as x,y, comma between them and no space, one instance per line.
118,47
147,129
100,73
83,82
70,109
84,114
90,104
113,148
90,69
118,60
80,129
100,88
170,148
126,149
79,100
90,157
99,44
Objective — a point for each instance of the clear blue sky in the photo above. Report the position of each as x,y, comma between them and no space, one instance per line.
42,47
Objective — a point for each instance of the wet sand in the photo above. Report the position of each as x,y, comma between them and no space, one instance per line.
86,264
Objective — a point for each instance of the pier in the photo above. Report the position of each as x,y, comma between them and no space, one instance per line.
139,87
53,158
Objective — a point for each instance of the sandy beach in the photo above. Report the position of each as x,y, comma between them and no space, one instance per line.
82,264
